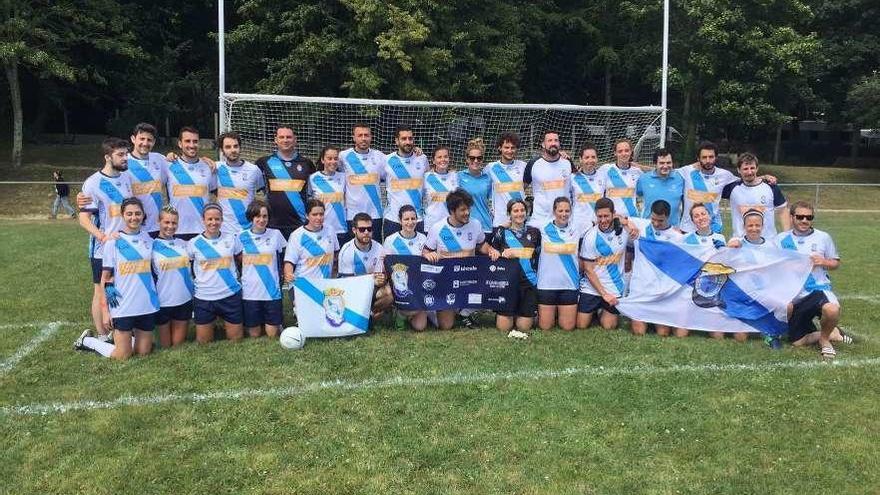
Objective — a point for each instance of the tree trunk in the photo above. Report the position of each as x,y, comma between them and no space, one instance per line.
11,69
855,142
607,85
777,146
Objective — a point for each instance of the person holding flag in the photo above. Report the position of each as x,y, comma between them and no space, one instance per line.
587,186
408,242
328,185
702,235
311,248
363,256
260,259
438,183
174,282
404,171
238,180
558,271
507,177
753,225
522,243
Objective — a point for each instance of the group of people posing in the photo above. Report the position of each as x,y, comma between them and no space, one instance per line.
180,236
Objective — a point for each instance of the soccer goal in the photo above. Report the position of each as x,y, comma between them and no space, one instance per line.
325,121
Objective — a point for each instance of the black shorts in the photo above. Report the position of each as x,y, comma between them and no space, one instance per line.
228,308
185,237
141,322
590,303
181,312
801,321
557,297
97,266
527,305
390,228
258,313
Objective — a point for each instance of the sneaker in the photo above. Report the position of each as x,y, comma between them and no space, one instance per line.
773,343
108,337
399,323
469,321
517,335
78,343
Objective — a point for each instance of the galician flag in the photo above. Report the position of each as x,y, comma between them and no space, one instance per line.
700,288
333,307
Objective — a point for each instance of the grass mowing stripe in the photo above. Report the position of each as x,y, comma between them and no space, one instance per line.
7,326
8,364
398,381
861,297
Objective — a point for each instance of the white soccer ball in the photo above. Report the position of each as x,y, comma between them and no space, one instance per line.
292,338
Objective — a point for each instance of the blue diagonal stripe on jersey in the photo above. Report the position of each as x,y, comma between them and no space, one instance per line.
400,246
567,261
315,249
326,187
225,273
613,269
436,183
700,185
447,236
372,191
280,172
269,281
401,172
160,247
524,263
584,184
504,178
143,175
680,266
182,176
810,285
131,254
618,182
358,321
359,267
224,177
110,190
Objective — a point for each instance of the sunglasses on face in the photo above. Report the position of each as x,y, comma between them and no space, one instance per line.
364,230
475,158
804,217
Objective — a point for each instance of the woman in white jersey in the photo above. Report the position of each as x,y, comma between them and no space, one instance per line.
328,185
407,242
173,280
703,235
129,295
753,225
216,262
558,271
311,248
260,259
438,183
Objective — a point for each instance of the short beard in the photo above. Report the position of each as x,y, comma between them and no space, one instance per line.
552,151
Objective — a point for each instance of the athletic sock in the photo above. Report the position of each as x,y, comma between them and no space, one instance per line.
103,348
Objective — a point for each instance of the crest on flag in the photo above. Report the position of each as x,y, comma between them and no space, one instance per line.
708,285
400,280
334,306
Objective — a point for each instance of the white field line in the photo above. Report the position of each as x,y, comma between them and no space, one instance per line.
398,381
9,326
861,297
9,363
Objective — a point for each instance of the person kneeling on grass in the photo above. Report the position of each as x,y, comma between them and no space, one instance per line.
558,271
458,236
363,256
702,236
522,243
407,242
261,257
129,293
753,226
171,268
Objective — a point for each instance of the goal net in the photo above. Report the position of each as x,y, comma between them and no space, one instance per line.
324,121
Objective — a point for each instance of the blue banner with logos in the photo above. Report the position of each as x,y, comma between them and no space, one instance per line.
474,282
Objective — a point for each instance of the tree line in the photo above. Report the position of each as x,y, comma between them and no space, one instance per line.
740,70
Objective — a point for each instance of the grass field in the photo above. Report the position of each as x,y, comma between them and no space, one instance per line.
438,412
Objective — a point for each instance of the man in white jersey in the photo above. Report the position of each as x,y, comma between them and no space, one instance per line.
703,183
457,237
363,256
403,172
363,167
587,187
106,189
147,171
189,182
621,178
752,192
237,182
602,255
816,299
550,177
507,177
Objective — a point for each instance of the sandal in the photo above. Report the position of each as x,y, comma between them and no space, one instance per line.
828,352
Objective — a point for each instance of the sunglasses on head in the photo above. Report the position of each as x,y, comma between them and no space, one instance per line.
363,230
804,217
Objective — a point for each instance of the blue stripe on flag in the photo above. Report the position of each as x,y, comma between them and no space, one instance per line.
810,285
308,288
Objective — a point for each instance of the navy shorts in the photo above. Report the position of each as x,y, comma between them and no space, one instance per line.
97,267
257,313
527,305
801,322
590,303
140,322
182,312
228,308
557,297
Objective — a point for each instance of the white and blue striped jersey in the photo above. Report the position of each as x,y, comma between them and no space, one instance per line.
171,264
312,253
330,189
236,187
558,267
549,180
697,239
398,244
363,173
761,197
189,185
147,183
608,251
107,194
647,231
620,187
404,178
586,189
354,261
816,242
129,257
436,187
705,188
216,275
260,256
507,184
455,242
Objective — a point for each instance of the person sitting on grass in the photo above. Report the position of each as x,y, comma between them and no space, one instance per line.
363,256
407,242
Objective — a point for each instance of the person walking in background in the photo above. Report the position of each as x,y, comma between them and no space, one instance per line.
62,193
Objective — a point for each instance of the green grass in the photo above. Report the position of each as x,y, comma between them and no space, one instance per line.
610,430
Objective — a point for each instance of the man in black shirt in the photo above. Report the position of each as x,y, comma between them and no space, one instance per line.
287,176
